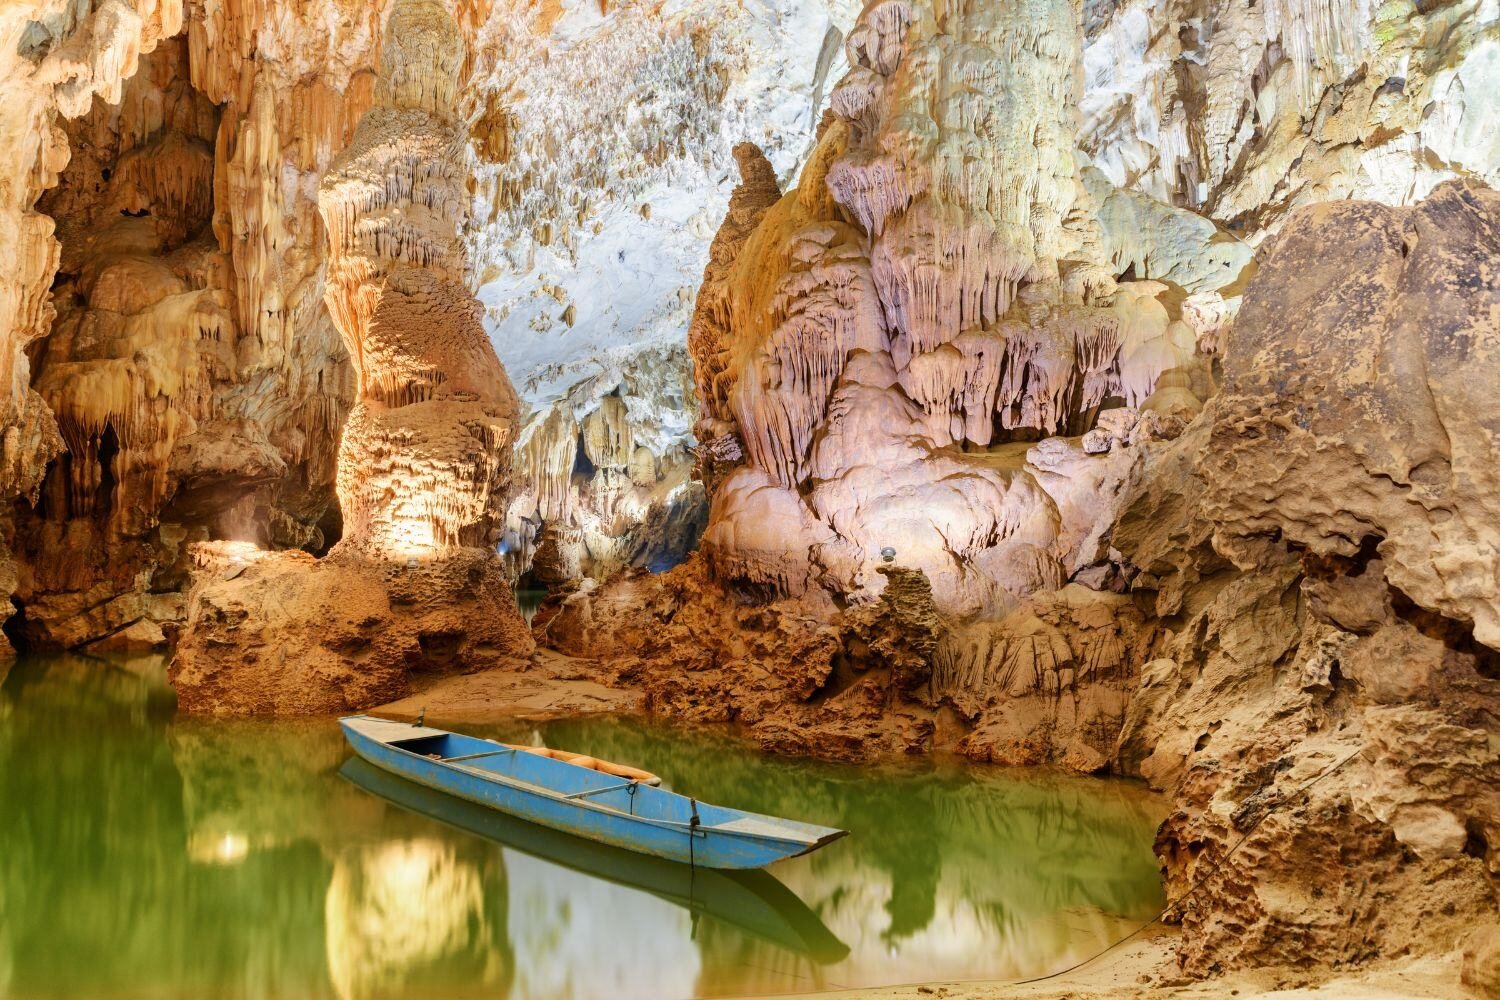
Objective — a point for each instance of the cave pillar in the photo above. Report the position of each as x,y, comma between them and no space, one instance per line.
415,584
424,465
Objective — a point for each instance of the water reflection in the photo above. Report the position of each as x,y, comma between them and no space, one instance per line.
754,902
142,855
417,912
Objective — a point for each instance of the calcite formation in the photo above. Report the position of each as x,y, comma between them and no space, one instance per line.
1319,701
56,57
192,369
1038,400
1224,552
880,344
592,500
604,137
1247,111
415,583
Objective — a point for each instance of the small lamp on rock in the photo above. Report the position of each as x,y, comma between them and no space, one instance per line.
888,554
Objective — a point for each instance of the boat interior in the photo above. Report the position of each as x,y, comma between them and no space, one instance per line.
571,779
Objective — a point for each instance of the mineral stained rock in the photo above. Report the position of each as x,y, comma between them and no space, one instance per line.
604,135
877,353
415,583
1345,471
56,57
881,343
1186,470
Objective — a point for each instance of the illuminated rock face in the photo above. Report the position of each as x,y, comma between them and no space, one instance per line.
415,583
1256,610
197,380
54,57
425,459
604,135
939,289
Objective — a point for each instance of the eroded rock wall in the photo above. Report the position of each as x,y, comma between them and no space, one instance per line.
880,346
1247,111
196,378
1307,626
604,137
1225,554
56,57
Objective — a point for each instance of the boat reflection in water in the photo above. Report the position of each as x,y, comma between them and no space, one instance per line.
753,901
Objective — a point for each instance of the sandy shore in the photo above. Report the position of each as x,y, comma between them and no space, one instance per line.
545,686
1143,970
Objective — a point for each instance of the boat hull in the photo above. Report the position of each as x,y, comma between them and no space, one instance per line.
595,820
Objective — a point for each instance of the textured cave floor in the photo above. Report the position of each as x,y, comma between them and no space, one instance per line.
1142,969
545,686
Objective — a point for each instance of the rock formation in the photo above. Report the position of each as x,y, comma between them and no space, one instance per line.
876,354
1247,111
1311,625
1260,547
880,343
604,137
195,375
1231,639
1043,407
415,583
56,58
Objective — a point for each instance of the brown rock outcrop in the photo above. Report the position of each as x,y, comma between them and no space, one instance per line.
415,582
1358,412
54,57
1329,651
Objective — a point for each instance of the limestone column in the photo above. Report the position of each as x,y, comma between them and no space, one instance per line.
415,584
425,461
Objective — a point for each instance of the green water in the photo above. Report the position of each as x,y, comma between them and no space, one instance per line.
147,856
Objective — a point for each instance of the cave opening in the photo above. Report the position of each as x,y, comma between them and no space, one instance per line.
145,357
104,492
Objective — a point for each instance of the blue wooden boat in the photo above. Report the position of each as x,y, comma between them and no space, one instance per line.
627,812
752,901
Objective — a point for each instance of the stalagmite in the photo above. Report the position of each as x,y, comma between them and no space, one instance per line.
1041,400
976,290
424,466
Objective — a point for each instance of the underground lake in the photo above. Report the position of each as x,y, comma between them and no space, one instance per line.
142,853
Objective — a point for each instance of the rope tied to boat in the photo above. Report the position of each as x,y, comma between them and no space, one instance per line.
630,790
693,823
